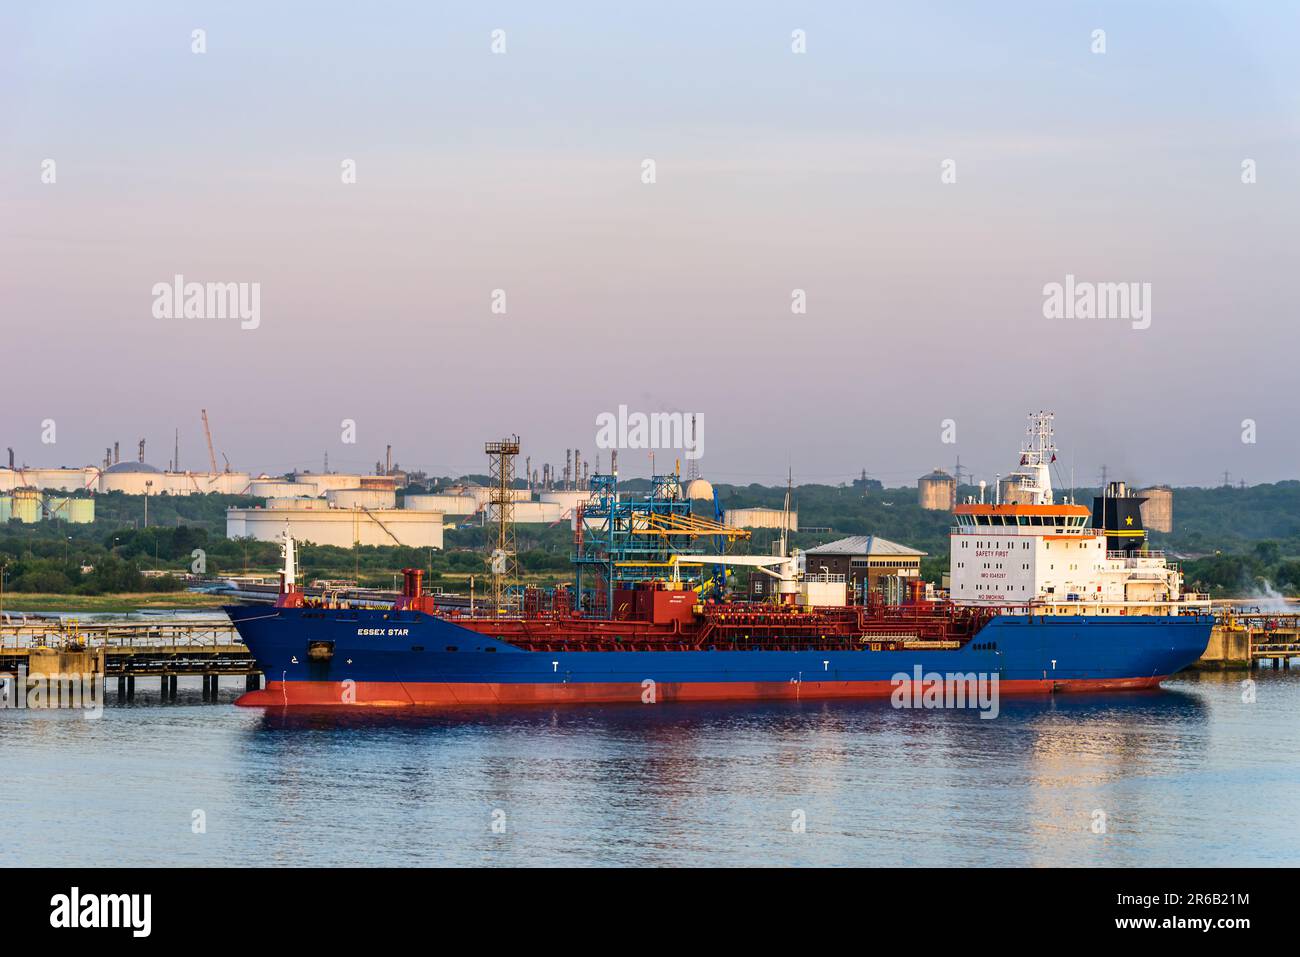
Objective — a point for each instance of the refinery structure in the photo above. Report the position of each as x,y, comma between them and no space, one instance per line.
392,506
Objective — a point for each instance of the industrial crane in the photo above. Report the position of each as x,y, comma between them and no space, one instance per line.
207,432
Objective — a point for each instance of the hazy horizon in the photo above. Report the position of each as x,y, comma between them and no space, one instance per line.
775,171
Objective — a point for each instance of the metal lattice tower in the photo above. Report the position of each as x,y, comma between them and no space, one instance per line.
622,538
505,565
693,466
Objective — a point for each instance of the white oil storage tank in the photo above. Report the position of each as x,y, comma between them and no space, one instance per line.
446,504
361,498
276,488
566,499
295,502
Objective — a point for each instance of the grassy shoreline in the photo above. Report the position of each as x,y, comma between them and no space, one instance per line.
123,602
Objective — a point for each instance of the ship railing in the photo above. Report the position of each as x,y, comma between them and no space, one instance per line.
993,530
1134,555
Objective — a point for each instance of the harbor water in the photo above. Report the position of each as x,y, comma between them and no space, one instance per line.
1194,774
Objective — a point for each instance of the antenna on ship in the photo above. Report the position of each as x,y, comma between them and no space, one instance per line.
785,516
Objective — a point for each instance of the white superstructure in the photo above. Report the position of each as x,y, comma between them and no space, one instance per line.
1038,553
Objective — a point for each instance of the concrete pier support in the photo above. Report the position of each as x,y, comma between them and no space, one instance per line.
130,687
253,682
171,688
121,688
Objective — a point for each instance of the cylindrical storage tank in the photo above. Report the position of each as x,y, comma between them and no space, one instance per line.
174,483
481,495
276,488
937,491
530,513
1158,509
324,481
446,504
128,483
295,501
27,505
60,480
761,518
79,511
228,483
361,498
565,499
1010,491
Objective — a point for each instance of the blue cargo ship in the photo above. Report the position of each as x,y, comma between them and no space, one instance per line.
1045,597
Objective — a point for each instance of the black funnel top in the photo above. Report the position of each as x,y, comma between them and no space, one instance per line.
1119,514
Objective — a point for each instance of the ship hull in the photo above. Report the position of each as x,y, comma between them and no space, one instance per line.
407,659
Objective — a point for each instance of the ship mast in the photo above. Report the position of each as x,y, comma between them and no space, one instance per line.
1036,458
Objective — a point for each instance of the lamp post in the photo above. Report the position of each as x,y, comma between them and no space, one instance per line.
147,486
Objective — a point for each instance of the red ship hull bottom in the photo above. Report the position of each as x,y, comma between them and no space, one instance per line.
396,694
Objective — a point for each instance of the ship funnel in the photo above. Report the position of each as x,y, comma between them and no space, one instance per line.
412,582
1118,513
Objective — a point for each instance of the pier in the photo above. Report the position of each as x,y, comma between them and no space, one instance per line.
1251,639
127,651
